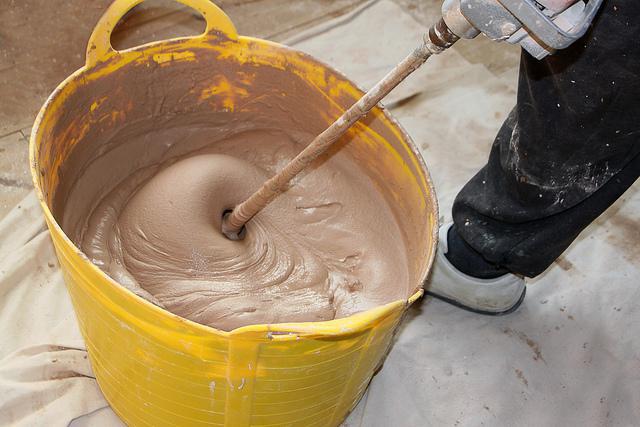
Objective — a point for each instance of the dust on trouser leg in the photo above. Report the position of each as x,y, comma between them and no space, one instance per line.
566,152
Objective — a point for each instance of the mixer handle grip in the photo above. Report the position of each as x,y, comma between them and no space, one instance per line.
99,48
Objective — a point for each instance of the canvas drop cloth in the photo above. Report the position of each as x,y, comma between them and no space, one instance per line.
569,357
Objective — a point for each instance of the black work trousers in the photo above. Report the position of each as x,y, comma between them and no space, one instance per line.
567,151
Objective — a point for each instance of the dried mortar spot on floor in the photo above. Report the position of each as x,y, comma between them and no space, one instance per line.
528,341
521,377
626,235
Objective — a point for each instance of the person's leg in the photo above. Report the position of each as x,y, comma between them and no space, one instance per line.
567,151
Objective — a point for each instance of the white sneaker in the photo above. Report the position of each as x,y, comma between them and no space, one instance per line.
501,295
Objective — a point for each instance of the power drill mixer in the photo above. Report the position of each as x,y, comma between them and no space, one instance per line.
540,27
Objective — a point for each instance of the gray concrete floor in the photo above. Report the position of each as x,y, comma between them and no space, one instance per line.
43,41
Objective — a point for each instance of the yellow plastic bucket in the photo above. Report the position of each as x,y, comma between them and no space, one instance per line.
156,368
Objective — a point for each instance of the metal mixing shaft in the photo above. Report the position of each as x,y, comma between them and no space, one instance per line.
437,39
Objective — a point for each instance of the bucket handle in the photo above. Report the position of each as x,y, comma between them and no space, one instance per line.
99,48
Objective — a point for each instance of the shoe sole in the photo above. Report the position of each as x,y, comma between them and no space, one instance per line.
453,302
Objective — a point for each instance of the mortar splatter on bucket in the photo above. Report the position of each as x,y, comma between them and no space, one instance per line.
156,368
